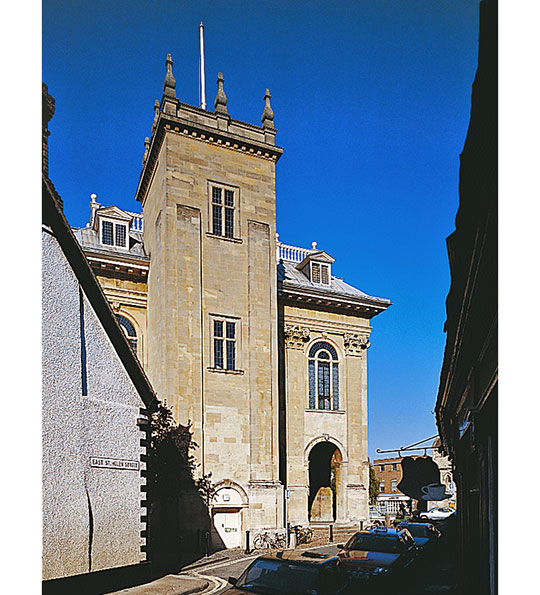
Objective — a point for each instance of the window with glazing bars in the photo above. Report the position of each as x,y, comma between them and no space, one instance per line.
222,212
320,273
224,345
323,370
120,235
129,331
107,233
113,234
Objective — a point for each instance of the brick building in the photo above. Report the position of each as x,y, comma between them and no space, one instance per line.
388,472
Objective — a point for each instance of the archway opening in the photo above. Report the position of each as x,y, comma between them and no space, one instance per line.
324,482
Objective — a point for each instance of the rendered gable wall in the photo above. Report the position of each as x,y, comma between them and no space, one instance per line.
91,514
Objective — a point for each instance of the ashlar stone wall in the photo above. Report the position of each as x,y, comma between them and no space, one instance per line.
345,428
129,298
196,276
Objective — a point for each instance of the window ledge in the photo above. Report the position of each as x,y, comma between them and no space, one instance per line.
333,411
233,240
223,371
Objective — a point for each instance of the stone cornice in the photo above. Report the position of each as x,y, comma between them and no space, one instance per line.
332,327
321,300
120,267
126,297
115,258
207,127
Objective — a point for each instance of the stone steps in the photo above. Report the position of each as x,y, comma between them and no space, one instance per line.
340,532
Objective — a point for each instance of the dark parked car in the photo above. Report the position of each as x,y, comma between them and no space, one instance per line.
378,554
424,534
292,572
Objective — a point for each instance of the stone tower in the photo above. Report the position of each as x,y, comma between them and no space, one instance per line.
207,189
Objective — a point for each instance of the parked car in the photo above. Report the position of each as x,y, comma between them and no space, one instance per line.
378,554
437,514
425,535
292,572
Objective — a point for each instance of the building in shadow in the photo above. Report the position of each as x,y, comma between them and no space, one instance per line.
466,405
95,409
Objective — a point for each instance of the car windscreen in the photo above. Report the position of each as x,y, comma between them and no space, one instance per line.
387,544
417,530
279,576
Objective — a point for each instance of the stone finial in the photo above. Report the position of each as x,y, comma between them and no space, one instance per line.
314,245
268,115
169,85
221,99
156,115
94,206
146,148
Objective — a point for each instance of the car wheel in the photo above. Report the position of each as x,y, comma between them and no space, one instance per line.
423,517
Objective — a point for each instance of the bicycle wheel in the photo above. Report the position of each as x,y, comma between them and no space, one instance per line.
259,542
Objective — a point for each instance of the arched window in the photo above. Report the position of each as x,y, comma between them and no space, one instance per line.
129,331
323,377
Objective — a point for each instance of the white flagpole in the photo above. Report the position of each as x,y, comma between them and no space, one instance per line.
201,66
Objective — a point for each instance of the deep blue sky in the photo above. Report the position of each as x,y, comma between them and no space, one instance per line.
372,103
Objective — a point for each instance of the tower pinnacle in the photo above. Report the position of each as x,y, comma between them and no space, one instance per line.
169,85
268,115
221,99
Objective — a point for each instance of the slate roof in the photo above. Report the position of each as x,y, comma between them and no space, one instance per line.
88,238
289,276
293,278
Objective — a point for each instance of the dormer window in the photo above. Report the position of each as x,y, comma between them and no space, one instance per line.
320,273
316,266
113,233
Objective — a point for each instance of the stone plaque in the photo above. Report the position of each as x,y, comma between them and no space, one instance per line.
106,463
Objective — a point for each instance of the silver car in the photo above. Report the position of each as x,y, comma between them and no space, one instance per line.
437,514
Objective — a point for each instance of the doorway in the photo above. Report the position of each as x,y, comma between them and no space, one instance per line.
226,522
324,472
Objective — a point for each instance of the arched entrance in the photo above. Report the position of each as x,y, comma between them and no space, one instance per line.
325,482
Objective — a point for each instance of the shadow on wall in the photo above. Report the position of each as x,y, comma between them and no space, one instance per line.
179,522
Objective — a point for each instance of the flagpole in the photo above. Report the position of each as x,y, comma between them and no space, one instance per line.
201,66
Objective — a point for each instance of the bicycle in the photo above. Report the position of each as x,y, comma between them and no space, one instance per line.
303,534
269,540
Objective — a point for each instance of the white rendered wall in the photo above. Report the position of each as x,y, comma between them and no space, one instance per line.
91,514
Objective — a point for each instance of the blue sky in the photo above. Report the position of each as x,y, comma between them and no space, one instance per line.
372,103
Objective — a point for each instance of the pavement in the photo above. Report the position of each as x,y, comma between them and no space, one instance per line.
172,584
188,582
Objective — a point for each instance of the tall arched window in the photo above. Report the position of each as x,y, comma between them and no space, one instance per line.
323,369
129,331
